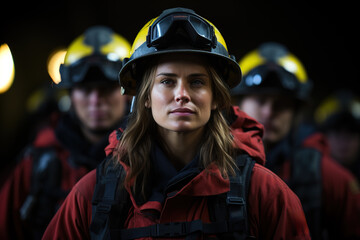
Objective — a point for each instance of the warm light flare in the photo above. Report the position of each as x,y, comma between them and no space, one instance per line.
7,69
54,61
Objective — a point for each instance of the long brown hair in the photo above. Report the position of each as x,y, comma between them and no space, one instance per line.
135,144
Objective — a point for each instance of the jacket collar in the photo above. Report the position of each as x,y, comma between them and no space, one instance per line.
168,182
248,135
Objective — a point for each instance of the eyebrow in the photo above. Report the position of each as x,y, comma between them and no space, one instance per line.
174,75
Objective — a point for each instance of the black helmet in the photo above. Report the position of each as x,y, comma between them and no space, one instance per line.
178,30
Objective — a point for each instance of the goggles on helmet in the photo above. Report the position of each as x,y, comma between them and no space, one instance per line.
75,73
271,78
198,30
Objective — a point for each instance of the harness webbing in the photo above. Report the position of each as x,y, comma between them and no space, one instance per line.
106,198
42,201
172,229
234,221
237,196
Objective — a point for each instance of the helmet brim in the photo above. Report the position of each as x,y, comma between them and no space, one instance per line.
129,78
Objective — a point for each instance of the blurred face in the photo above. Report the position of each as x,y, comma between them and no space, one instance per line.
181,97
344,145
275,112
98,107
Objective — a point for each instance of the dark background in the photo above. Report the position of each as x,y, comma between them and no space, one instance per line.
324,36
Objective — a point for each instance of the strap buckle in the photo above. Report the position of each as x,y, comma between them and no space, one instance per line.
235,200
173,229
103,208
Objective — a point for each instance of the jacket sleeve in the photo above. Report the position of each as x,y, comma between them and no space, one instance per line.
12,195
275,212
73,219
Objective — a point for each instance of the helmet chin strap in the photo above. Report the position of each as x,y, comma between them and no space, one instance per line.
132,103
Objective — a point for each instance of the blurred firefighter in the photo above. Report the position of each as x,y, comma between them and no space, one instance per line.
60,155
274,91
338,116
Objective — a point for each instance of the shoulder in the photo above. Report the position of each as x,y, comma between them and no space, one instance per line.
337,180
265,181
86,185
46,137
267,189
330,167
275,212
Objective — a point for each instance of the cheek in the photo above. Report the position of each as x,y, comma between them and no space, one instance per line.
117,99
287,119
205,101
159,99
250,108
78,100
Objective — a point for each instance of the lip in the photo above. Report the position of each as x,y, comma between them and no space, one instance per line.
182,111
97,114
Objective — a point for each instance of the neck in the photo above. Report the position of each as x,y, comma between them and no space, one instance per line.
181,147
92,136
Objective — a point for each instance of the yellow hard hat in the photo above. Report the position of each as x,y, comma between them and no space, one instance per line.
178,30
272,67
98,47
341,109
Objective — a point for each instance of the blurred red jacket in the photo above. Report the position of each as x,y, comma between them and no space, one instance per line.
340,191
17,187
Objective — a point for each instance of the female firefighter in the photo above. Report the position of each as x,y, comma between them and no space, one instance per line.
179,169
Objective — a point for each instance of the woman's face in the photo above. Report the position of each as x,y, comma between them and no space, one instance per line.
181,97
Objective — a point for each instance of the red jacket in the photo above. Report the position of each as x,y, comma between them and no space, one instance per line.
274,211
340,191
17,186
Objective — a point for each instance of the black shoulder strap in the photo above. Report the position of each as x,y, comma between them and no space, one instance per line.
237,196
306,183
232,207
41,203
108,199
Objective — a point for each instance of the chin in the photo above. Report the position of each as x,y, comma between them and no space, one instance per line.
271,138
178,128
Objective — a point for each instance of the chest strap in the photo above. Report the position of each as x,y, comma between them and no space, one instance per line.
231,221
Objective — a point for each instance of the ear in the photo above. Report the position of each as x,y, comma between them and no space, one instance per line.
147,103
214,105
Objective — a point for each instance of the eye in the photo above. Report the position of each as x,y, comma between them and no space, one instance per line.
84,88
197,82
260,100
167,81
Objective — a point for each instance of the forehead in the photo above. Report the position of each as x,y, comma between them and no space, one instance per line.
179,59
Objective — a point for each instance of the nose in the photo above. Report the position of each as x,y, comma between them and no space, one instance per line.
267,109
94,96
182,93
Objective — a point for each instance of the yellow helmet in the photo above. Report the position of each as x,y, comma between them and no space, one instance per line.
178,30
98,48
339,110
272,68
